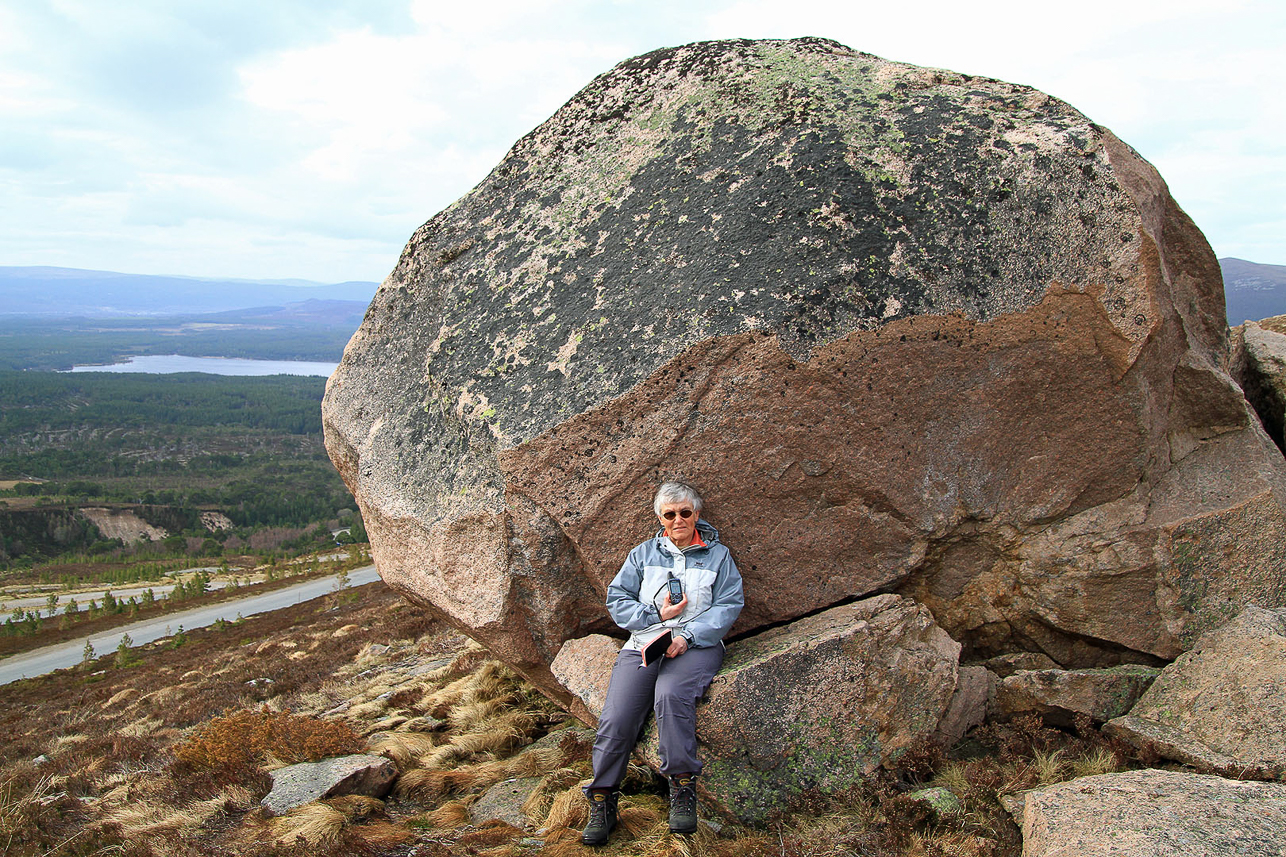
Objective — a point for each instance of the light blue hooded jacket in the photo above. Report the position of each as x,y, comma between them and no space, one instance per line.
709,577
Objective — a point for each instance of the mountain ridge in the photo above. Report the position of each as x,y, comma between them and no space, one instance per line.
1252,290
49,291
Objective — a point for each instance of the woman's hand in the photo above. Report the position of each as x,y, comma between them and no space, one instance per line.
669,611
677,647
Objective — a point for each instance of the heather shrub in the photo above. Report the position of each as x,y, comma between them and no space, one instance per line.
237,744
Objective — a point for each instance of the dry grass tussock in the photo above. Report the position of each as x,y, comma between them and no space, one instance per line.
321,822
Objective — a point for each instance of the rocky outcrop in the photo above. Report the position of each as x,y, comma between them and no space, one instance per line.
1060,695
1155,813
122,524
1222,706
907,329
817,704
295,785
1259,365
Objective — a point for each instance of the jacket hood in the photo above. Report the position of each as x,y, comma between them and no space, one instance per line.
705,529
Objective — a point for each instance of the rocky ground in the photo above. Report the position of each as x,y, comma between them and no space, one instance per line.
171,752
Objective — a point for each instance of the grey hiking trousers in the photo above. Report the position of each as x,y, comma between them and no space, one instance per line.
671,687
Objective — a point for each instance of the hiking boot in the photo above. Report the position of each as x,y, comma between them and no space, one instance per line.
683,804
602,816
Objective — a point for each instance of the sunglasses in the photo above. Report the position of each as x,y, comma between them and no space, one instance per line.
683,513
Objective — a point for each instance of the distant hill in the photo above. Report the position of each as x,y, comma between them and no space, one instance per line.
1253,291
64,292
309,313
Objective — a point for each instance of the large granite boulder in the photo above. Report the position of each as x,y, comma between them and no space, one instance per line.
1220,707
817,704
1157,814
907,329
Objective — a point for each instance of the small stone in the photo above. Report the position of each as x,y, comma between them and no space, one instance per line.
975,688
558,736
428,667
503,802
295,785
1008,664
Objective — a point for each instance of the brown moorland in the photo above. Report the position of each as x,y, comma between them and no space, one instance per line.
171,753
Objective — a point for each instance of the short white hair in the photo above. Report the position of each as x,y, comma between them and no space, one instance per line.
676,492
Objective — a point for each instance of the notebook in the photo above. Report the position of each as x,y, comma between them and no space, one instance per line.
656,649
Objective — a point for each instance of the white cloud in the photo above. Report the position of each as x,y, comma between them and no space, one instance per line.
311,137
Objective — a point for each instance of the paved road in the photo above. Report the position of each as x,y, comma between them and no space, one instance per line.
50,658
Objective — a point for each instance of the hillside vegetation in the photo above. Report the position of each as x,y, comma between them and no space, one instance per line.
167,448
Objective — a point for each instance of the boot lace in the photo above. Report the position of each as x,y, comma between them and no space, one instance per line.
685,799
598,812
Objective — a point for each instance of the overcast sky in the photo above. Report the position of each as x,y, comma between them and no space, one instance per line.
309,138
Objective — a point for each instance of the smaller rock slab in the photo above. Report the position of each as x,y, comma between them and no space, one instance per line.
820,703
1155,813
1221,707
1059,695
343,775
584,667
503,802
1008,664
975,689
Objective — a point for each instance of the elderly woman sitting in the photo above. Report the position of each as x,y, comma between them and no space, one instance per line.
680,585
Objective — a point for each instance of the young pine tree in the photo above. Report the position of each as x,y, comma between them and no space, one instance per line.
123,655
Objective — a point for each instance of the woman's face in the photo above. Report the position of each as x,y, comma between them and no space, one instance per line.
680,529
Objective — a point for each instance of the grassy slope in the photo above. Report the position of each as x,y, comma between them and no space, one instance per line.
119,744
